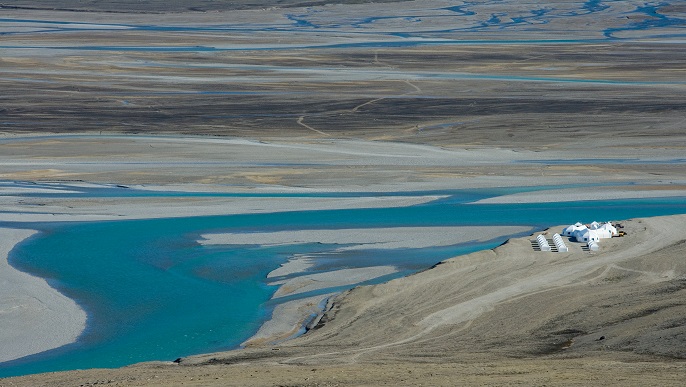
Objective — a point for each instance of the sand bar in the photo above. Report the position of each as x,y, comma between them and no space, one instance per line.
295,264
367,238
329,279
595,193
34,317
20,209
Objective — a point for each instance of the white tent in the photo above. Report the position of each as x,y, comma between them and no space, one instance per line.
610,229
603,234
586,235
570,230
606,230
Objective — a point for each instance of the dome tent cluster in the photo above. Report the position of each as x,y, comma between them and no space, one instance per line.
593,232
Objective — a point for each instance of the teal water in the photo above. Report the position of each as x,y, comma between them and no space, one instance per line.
152,293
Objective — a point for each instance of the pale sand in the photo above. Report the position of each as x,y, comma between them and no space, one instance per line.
309,282
592,193
367,238
99,209
34,317
8,189
296,264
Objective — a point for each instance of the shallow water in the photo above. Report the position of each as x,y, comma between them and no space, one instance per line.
153,293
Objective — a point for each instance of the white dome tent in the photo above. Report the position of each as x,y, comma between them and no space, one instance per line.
593,246
586,236
570,230
604,231
609,229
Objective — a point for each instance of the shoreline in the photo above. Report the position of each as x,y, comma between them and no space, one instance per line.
289,320
34,316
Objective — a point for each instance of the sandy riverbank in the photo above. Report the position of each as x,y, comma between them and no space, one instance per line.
290,319
79,209
294,278
34,317
367,238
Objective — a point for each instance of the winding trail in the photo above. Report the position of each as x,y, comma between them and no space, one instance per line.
355,109
301,123
416,90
